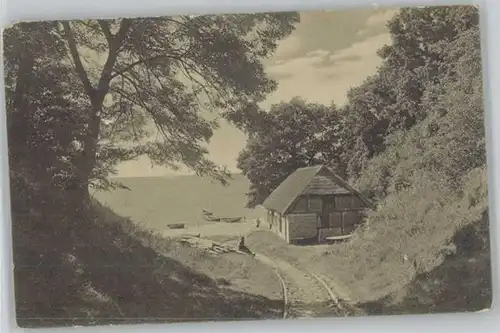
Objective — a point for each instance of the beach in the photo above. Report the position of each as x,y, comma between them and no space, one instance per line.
156,202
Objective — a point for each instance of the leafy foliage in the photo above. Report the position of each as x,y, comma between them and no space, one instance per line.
450,141
292,135
42,114
172,73
415,66
109,91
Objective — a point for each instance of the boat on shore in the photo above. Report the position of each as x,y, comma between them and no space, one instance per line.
209,216
176,226
231,219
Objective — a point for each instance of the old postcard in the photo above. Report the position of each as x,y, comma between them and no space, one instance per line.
248,166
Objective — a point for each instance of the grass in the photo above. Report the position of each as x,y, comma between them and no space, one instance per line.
412,233
103,269
270,244
462,282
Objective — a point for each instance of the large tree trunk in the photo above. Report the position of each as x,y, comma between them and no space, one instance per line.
87,161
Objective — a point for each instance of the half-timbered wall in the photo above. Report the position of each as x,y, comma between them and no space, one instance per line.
345,213
307,216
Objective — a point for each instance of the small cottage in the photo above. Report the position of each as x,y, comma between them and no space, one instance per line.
314,205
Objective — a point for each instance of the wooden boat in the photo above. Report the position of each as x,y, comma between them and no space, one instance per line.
176,226
231,219
211,218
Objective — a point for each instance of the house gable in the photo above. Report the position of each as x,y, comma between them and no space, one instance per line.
324,184
317,180
286,193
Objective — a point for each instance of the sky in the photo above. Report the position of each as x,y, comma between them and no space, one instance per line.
328,53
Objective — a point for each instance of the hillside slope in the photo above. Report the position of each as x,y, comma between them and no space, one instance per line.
112,272
431,256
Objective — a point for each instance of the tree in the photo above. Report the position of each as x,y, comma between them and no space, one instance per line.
170,72
42,112
117,79
392,99
291,135
450,140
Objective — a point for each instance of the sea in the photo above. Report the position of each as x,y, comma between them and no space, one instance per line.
157,201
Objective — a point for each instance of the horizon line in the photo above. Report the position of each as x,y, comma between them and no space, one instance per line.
171,175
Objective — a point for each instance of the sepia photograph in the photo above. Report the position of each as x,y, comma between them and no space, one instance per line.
248,166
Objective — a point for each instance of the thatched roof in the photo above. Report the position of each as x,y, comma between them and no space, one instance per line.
305,181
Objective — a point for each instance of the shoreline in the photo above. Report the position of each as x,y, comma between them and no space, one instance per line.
210,229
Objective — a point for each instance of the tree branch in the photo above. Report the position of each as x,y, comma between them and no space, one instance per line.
128,67
106,31
80,70
138,62
142,104
115,45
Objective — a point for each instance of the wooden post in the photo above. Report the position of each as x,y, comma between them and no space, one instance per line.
318,226
342,226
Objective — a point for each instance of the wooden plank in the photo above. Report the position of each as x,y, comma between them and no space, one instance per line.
338,237
347,210
323,233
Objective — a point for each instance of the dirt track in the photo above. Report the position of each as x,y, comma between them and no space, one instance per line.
304,294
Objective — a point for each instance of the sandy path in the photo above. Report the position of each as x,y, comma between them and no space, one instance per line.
306,296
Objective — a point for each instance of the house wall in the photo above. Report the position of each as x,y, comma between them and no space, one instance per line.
323,216
288,240
302,226
277,223
307,204
324,209
345,214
